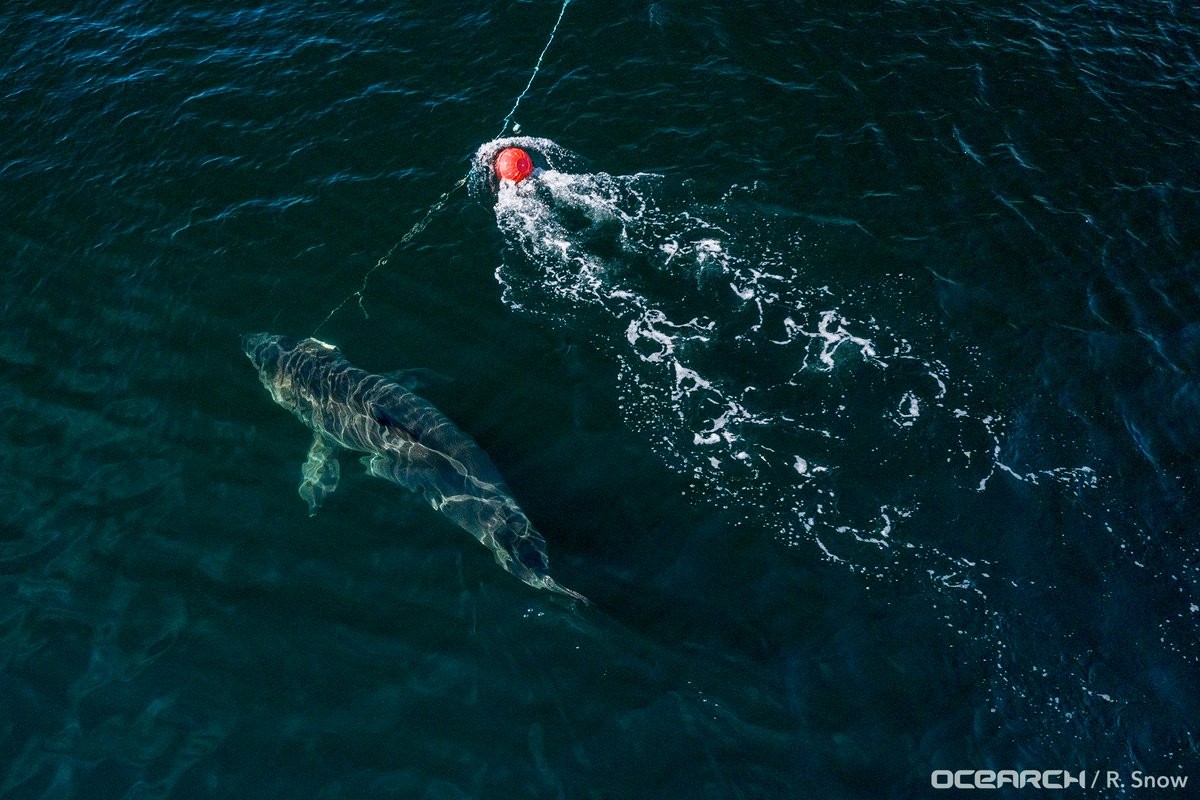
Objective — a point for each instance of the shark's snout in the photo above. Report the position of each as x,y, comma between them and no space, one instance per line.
251,341
260,348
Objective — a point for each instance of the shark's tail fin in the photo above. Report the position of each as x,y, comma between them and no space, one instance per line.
546,582
521,550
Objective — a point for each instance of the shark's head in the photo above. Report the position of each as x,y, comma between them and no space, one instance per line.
264,350
279,361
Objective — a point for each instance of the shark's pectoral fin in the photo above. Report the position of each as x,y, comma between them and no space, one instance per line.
320,472
375,465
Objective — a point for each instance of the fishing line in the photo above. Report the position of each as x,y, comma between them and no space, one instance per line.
562,11
440,203
405,239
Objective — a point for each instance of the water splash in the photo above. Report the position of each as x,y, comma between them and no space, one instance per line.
799,407
747,371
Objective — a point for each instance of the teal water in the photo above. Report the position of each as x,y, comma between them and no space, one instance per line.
845,354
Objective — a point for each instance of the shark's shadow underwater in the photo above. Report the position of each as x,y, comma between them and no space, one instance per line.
406,440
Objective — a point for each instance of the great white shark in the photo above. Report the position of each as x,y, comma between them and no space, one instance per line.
405,440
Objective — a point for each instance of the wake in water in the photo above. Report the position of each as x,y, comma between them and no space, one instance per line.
795,403
781,397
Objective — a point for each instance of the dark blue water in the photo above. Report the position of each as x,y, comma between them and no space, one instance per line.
846,355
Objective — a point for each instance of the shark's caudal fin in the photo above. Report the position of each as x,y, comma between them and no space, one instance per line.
546,582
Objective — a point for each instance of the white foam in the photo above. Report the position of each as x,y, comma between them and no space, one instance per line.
748,371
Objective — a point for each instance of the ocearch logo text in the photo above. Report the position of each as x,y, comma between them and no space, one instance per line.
997,779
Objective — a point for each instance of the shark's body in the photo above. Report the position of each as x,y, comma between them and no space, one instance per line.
406,440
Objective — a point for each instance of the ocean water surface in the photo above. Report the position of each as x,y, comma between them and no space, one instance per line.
847,355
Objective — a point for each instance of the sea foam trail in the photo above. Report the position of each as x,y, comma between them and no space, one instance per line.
786,399
745,368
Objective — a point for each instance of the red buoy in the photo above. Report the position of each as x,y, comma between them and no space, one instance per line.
514,164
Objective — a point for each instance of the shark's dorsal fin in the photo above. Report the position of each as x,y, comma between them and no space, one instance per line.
388,420
416,378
